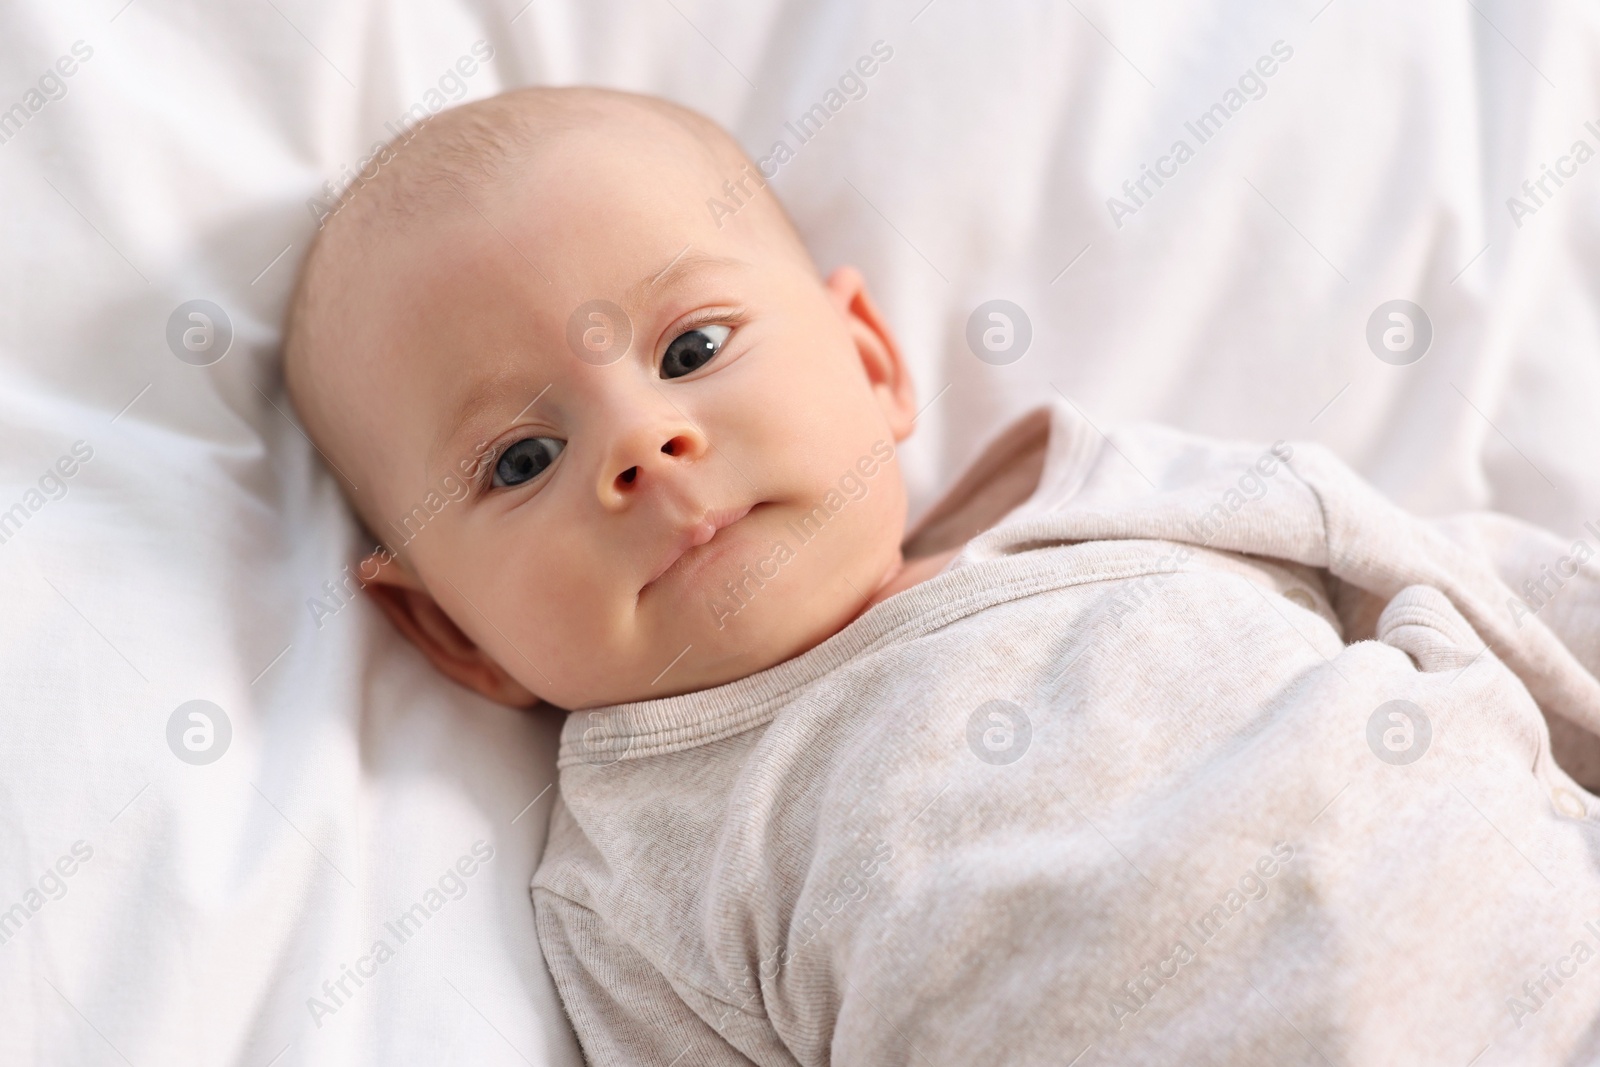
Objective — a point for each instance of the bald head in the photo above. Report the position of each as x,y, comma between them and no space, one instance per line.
475,178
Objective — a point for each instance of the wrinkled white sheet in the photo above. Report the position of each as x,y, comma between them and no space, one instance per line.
175,163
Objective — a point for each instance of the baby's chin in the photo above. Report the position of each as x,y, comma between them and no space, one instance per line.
730,624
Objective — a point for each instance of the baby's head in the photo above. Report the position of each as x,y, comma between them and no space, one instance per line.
545,363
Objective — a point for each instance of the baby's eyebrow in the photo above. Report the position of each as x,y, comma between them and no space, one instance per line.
467,415
681,266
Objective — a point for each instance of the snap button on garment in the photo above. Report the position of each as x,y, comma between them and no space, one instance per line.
1568,803
1300,598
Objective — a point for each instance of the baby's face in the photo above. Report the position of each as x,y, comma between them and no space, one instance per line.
666,501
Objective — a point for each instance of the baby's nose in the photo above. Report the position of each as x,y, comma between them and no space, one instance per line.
679,447
674,447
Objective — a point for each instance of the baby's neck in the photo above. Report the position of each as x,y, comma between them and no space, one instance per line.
1004,477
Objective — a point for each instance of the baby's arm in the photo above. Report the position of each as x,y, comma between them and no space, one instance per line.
624,1010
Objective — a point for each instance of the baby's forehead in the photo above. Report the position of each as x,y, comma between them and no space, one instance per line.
586,209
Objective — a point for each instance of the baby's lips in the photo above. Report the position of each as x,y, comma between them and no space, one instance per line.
695,534
681,544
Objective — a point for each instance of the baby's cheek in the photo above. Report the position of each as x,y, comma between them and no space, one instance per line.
588,641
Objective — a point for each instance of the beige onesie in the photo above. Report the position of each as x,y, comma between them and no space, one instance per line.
1196,753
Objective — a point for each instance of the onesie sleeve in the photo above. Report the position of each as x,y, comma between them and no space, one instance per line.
1551,579
1553,582
624,1010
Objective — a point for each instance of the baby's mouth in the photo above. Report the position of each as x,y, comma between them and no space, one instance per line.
691,540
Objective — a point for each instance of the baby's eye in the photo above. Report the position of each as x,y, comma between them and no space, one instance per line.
692,350
526,460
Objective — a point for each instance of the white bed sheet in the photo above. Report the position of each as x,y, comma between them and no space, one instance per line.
176,162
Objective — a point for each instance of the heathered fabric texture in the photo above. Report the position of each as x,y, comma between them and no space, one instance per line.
1197,832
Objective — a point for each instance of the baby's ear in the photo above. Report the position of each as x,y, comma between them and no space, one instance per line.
414,612
876,346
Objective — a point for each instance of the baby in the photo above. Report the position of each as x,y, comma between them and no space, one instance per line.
1139,748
